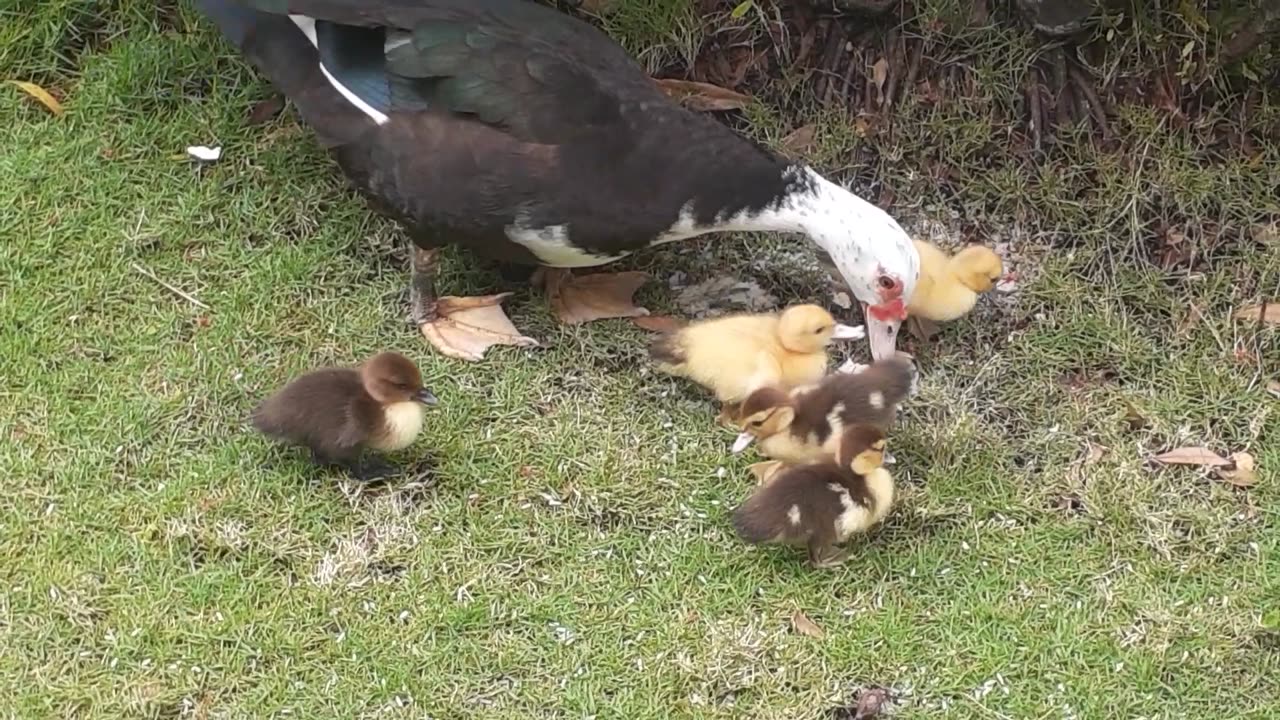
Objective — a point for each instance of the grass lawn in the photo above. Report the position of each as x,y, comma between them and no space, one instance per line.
567,550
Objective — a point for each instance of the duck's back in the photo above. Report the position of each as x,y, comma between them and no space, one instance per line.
505,125
327,409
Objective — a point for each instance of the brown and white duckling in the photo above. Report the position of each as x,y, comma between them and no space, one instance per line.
822,504
805,424
340,413
734,355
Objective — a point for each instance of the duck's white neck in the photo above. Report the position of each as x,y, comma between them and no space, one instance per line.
809,204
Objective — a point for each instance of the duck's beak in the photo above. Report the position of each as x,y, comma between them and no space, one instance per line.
883,322
848,332
425,396
744,439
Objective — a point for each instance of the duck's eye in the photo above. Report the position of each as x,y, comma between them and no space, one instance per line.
887,283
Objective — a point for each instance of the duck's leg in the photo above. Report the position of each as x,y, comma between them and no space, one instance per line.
459,327
582,298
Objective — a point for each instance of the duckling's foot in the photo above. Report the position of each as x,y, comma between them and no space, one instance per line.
371,468
464,327
583,298
459,327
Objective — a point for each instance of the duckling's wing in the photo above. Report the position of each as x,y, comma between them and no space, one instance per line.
530,70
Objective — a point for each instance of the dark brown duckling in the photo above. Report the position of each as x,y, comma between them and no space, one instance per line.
340,413
806,424
822,504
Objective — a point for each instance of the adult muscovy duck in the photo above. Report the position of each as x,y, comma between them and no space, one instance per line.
524,134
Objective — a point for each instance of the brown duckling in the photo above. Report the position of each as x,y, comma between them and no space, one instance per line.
734,355
340,413
822,504
805,424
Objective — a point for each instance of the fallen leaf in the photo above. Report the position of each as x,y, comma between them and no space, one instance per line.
870,702
880,73
1192,456
1241,472
702,97
1267,312
263,111
805,626
1094,453
1273,387
39,93
799,141
203,321
742,9
658,323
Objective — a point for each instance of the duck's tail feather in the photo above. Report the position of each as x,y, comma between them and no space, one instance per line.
285,50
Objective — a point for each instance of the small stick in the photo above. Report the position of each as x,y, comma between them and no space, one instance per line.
913,68
167,286
892,48
835,41
1091,97
1033,101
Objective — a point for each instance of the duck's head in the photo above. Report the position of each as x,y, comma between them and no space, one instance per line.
392,378
873,254
862,448
810,328
766,412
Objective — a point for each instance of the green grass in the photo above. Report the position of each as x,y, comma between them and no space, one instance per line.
573,556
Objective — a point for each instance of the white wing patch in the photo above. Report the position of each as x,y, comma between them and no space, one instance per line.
552,247
308,27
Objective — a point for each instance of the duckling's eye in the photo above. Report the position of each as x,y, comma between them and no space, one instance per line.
821,330
756,423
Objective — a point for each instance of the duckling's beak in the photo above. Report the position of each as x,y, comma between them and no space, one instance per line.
744,439
425,396
883,322
848,332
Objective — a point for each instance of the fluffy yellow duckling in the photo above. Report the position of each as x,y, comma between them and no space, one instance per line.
949,286
736,354
822,504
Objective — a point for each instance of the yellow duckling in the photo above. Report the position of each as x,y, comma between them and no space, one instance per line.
949,286
736,354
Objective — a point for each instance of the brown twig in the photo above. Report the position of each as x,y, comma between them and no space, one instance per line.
1033,106
147,273
913,67
1095,104
835,41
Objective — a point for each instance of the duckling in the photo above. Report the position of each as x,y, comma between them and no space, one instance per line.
806,423
339,413
736,354
949,286
822,504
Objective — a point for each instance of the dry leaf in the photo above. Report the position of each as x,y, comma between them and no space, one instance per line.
1192,456
805,626
658,323
870,702
702,97
1241,473
880,73
1273,387
798,141
263,111
1267,312
40,94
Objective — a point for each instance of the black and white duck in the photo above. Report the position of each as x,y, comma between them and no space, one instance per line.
524,134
